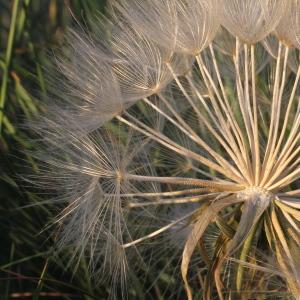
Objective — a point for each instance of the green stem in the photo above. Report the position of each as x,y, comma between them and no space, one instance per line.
24,259
11,36
243,257
41,281
21,19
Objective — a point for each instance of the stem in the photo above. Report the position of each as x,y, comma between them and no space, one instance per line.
283,167
285,156
157,232
241,96
243,257
193,199
254,144
197,111
237,131
256,135
213,185
246,88
160,194
3,94
41,280
208,125
277,108
192,135
288,110
228,142
275,93
163,140
286,180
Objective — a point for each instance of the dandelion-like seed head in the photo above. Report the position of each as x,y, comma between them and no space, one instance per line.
183,122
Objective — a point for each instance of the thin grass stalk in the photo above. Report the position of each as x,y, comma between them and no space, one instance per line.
8,55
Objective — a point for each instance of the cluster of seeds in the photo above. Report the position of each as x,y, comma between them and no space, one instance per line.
171,142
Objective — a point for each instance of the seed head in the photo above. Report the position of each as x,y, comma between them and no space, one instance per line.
164,117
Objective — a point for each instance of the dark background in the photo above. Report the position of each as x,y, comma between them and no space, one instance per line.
29,31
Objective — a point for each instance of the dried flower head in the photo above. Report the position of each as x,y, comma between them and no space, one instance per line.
220,146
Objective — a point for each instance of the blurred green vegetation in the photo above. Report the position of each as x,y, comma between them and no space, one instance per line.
29,30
